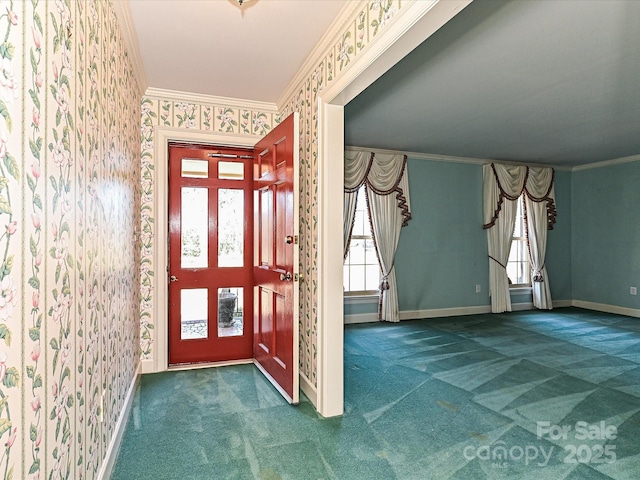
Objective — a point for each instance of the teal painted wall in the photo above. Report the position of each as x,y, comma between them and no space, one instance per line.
558,259
606,234
442,253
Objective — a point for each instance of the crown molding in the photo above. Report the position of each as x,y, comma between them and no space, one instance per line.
482,161
328,40
210,99
606,163
421,156
123,15
451,159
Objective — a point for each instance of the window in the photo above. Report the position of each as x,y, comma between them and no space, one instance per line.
361,268
518,268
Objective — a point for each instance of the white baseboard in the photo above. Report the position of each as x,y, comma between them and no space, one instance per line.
309,389
109,460
447,312
361,318
148,366
601,307
444,312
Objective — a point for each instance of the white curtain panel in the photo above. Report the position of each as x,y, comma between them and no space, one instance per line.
539,197
387,182
387,187
356,167
500,206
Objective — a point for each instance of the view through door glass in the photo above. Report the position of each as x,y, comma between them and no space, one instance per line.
210,254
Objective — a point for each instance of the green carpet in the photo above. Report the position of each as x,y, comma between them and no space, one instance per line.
525,395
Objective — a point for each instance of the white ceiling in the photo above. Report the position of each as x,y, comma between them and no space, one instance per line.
216,47
540,81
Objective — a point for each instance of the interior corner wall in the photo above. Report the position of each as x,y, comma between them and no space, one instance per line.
605,233
559,254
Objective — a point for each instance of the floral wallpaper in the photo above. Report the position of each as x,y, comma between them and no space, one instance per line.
362,29
69,214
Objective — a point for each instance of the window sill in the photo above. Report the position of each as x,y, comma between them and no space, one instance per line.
360,299
520,290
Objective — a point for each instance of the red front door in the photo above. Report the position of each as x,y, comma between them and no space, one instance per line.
276,331
210,254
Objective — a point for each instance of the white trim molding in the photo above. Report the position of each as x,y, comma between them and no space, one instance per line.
162,137
361,318
451,159
177,96
601,307
448,312
329,39
309,389
444,312
109,460
606,163
330,333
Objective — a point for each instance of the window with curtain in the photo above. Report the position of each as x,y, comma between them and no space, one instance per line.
518,265
507,190
361,268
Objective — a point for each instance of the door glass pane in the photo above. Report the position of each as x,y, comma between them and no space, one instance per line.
230,312
266,227
230,228
194,313
231,170
195,227
193,168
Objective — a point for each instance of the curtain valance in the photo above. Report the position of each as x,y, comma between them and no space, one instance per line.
514,180
382,173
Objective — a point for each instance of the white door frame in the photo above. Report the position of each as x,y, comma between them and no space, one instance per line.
162,137
414,23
